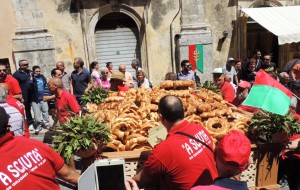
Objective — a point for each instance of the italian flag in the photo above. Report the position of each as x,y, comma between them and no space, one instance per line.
196,56
268,94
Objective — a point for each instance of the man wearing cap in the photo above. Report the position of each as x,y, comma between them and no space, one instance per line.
232,158
242,93
185,73
29,164
80,80
229,69
117,82
185,158
226,89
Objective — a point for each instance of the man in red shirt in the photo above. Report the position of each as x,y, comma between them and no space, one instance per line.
226,89
33,166
185,158
65,102
13,84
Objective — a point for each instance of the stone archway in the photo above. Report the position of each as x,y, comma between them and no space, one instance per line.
101,12
265,3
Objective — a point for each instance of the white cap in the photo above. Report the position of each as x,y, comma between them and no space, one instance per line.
218,70
230,59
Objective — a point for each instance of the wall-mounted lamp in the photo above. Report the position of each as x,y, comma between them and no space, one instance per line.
221,40
225,34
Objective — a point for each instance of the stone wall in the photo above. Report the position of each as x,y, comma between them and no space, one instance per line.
62,19
48,31
8,26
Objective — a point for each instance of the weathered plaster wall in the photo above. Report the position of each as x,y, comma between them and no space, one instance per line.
68,24
219,15
7,30
161,14
62,20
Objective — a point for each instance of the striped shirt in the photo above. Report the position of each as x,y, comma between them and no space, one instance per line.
16,120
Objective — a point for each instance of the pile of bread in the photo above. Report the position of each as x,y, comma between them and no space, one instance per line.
131,114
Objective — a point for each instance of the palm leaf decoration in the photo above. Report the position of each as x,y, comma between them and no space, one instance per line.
80,133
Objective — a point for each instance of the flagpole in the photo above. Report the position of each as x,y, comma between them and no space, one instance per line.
296,96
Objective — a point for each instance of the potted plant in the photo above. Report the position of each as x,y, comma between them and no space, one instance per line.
80,135
273,127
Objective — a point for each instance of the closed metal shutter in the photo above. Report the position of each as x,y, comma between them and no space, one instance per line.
118,46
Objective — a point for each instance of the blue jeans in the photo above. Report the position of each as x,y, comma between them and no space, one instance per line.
40,108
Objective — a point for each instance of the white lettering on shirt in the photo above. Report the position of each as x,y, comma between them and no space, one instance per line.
193,147
21,168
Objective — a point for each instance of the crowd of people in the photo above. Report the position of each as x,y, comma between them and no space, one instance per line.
185,160
236,78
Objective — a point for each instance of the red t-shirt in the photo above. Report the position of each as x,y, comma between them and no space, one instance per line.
32,166
180,162
227,91
19,106
123,88
65,103
13,85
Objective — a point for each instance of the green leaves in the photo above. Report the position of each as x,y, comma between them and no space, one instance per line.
80,133
97,95
209,85
267,124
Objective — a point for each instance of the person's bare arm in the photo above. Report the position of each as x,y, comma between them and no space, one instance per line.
236,80
18,97
71,87
131,185
90,85
48,98
293,74
142,179
68,174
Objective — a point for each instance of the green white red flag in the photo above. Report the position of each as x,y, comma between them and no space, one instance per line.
196,56
268,94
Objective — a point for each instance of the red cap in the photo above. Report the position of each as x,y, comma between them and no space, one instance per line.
234,150
244,84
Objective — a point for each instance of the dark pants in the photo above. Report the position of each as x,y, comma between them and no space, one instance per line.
27,105
291,168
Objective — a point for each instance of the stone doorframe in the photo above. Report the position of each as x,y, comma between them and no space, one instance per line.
121,8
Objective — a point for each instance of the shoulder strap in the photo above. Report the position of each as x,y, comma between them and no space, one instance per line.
185,134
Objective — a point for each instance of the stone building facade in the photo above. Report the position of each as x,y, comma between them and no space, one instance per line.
159,32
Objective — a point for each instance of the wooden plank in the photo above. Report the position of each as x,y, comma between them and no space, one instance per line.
267,164
124,154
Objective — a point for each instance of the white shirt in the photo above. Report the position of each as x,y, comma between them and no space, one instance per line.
16,120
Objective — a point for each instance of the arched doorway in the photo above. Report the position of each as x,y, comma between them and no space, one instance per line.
117,40
259,38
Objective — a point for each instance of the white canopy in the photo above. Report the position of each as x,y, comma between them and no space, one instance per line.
283,22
